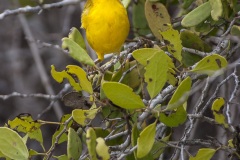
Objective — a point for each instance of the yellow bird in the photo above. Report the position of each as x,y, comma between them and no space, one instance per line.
106,24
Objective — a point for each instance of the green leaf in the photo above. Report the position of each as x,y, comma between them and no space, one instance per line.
217,108
187,3
180,95
143,56
12,145
102,149
197,15
63,137
159,147
204,153
146,140
62,157
192,40
76,36
156,73
217,9
83,117
32,153
172,37
74,145
134,136
175,118
157,17
140,24
24,123
83,82
208,65
122,95
91,143
235,30
132,78
77,52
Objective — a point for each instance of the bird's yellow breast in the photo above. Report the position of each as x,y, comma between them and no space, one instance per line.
106,24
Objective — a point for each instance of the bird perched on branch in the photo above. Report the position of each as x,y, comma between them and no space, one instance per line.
106,24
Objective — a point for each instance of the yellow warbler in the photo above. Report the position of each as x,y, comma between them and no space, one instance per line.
106,24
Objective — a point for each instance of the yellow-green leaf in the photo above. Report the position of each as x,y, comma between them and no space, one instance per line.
82,77
74,145
197,15
77,52
83,117
24,123
12,145
180,95
102,149
60,76
76,36
175,118
122,95
157,17
210,64
174,43
156,73
217,108
204,153
235,30
146,140
83,82
91,143
217,9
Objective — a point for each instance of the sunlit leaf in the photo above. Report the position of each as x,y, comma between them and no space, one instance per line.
77,52
197,15
76,36
60,76
217,108
24,123
173,42
12,145
83,82
210,64
102,149
91,143
204,153
82,77
122,95
217,9
156,73
83,117
180,95
146,140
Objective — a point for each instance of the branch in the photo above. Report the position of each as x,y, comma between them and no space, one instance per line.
29,9
50,151
39,63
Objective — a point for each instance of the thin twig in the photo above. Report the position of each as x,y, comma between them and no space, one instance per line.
39,63
29,9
